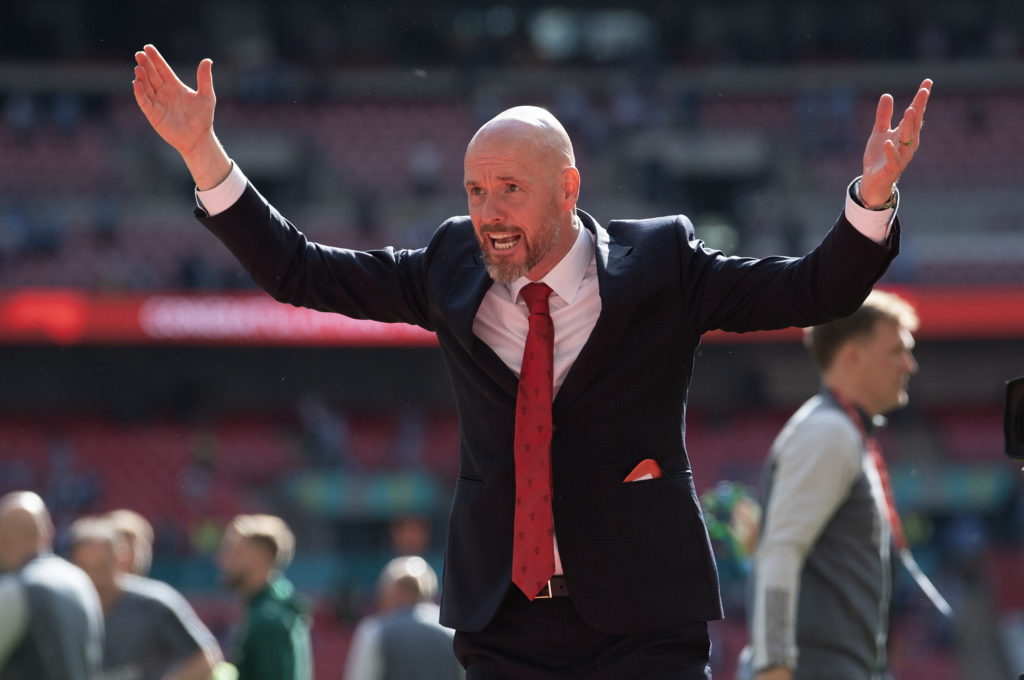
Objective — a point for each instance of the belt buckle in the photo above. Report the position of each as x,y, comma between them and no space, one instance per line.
545,594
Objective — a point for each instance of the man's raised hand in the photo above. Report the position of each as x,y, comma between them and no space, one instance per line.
183,117
889,150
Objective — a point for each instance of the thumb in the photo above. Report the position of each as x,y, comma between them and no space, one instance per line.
204,79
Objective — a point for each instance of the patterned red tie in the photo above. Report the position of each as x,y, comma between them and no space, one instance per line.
533,554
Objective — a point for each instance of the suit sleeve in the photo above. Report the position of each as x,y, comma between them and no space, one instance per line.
384,285
746,294
814,467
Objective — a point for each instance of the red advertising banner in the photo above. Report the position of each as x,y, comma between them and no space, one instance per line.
72,317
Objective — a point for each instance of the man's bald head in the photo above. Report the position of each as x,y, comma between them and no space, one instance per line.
522,187
529,126
25,528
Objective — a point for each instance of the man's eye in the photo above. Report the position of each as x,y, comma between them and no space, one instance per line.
513,188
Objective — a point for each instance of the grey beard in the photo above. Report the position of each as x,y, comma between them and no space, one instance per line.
503,272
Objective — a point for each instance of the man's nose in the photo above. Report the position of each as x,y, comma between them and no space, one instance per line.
491,211
911,363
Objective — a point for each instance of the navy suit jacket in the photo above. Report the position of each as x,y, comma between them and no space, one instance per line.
636,555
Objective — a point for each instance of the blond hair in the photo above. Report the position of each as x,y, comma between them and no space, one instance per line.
269,531
824,340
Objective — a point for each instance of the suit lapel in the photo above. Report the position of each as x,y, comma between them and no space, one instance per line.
468,288
615,264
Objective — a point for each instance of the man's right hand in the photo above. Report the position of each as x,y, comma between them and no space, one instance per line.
183,117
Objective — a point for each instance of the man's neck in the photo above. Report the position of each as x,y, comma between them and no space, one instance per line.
257,586
846,391
110,595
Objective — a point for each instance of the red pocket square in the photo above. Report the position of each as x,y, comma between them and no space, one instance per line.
645,469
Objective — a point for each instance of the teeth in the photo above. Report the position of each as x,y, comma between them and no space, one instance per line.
504,241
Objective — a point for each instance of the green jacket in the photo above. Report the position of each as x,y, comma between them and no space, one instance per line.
274,642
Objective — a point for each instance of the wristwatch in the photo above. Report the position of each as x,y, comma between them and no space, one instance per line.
855,194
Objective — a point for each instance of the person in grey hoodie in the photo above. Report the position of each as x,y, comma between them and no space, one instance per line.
823,572
52,623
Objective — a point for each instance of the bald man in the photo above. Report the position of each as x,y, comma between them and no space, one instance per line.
51,623
575,545
403,640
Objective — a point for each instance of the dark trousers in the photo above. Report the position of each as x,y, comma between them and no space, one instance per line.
547,640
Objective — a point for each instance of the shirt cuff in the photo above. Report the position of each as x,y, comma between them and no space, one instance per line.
875,224
221,197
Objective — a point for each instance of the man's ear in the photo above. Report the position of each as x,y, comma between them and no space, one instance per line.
570,185
848,355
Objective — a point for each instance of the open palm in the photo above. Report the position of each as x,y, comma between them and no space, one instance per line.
183,117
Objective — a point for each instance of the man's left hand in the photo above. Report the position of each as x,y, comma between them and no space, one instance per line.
889,150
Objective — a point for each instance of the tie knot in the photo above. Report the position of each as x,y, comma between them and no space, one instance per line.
536,297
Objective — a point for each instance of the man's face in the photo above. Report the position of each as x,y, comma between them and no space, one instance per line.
886,364
243,562
513,203
97,560
233,559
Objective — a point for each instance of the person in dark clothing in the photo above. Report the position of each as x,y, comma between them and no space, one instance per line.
151,630
51,627
273,643
575,544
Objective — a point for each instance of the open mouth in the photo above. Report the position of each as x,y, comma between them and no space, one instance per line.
502,242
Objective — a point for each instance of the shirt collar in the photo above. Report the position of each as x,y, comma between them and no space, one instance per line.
565,277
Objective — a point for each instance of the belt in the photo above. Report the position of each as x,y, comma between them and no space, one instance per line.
556,587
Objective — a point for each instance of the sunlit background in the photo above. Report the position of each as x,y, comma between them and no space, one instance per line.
141,369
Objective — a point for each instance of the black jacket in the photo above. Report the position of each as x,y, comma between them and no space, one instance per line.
636,556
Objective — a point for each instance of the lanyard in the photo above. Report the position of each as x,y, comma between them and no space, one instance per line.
899,537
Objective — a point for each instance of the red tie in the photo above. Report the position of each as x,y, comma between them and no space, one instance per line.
533,554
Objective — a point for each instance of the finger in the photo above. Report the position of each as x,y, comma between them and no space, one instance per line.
921,98
152,76
204,79
140,94
142,82
160,65
143,99
906,131
883,115
892,158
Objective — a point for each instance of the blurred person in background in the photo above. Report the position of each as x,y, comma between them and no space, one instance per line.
557,562
273,642
404,640
51,623
410,535
137,532
151,630
823,569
